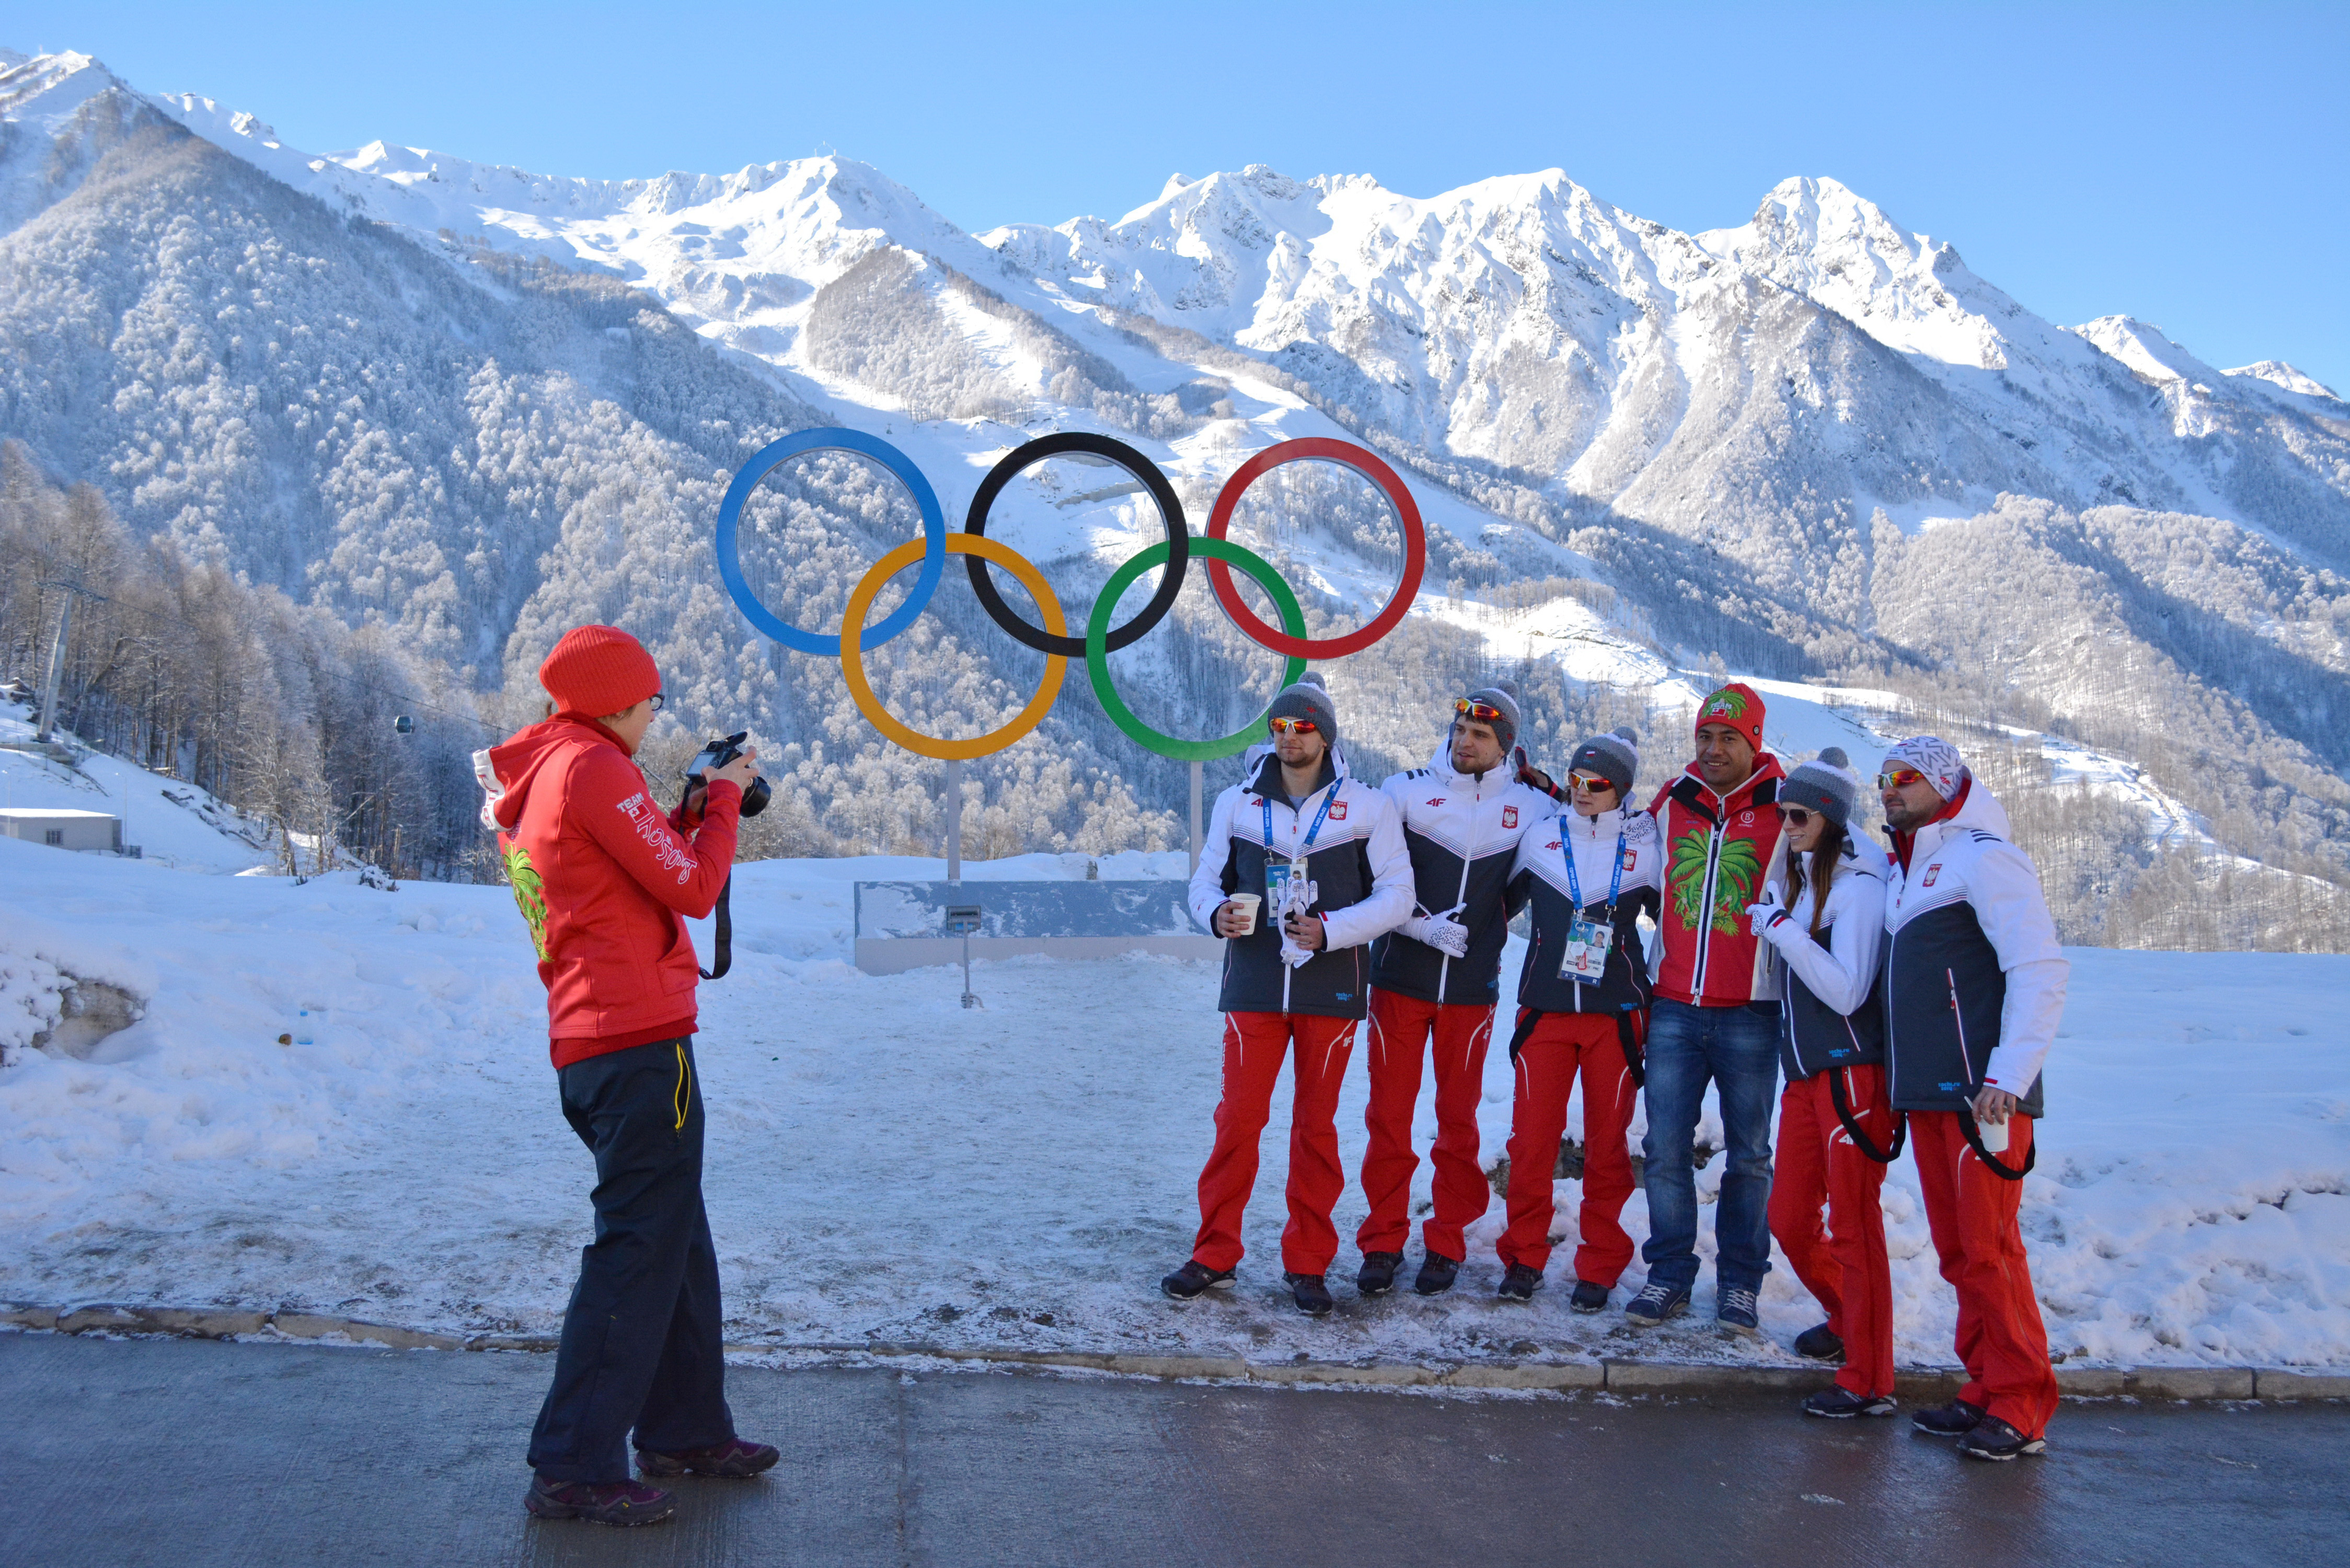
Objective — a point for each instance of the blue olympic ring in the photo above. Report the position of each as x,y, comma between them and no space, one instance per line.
770,457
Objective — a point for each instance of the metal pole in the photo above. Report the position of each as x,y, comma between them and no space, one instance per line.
1195,816
57,668
954,823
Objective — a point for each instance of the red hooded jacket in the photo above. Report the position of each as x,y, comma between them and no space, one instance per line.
1718,854
604,881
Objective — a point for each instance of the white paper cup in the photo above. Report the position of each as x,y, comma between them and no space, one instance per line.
1994,1137
1248,903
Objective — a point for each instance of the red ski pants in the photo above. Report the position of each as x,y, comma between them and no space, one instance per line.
1255,1044
1400,1029
1971,1214
1561,1044
1841,1264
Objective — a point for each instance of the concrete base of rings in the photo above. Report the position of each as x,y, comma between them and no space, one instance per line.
1915,1384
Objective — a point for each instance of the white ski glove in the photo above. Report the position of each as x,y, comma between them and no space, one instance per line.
1762,916
1447,936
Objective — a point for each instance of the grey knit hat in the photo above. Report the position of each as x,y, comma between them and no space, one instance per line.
1614,756
1505,728
1934,757
1307,699
1825,785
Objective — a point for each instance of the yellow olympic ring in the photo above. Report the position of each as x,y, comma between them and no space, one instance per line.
852,648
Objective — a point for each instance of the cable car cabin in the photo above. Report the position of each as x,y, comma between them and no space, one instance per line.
62,830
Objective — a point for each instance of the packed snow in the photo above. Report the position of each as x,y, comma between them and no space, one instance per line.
884,1164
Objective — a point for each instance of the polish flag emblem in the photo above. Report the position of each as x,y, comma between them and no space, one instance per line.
1339,812
1932,872
1509,817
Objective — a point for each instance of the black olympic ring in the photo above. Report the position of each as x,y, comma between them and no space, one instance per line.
1171,511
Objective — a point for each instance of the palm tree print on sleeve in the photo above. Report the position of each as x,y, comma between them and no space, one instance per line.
530,896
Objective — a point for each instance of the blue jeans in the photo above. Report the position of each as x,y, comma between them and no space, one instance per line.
1738,1048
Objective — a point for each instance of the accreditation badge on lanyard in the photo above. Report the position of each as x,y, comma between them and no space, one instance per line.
1584,960
1287,879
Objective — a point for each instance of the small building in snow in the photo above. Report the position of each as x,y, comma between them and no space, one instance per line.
62,830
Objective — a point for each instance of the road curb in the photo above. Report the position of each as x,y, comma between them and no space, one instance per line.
1614,1373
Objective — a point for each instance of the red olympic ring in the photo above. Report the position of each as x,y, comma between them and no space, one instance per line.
1415,546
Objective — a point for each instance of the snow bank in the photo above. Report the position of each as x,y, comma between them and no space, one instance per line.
884,1163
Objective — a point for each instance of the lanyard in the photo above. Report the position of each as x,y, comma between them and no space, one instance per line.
1303,850
1575,883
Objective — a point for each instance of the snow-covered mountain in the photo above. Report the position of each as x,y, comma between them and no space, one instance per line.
466,399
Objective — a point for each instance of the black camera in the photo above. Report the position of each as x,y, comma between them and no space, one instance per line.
717,754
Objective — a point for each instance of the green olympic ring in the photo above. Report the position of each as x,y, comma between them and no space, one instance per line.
1293,621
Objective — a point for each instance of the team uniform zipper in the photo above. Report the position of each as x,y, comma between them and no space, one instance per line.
1467,858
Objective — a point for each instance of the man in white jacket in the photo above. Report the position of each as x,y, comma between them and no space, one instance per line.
1324,855
1972,987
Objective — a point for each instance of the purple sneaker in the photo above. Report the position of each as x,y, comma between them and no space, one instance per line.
734,1459
605,1503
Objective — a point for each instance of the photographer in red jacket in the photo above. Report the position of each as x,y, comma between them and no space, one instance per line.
605,880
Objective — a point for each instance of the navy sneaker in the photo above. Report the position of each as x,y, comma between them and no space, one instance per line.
1955,1419
734,1459
1312,1294
1817,1344
1735,1311
1376,1276
1519,1283
1589,1297
1840,1404
1193,1279
1437,1273
603,1503
1993,1438
1655,1303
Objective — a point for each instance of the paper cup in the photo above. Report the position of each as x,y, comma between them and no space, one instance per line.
1994,1137
1248,903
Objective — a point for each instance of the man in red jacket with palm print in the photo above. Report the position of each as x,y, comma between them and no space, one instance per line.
1715,1016
605,880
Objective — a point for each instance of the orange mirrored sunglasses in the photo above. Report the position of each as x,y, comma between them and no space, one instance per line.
1291,726
1900,778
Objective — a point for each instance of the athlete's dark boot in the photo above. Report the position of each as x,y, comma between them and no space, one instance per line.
1376,1276
1312,1294
1437,1273
605,1503
1993,1438
1955,1419
1195,1278
1819,1345
734,1460
1838,1402
1519,1283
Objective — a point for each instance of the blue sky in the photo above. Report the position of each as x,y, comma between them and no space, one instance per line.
2184,165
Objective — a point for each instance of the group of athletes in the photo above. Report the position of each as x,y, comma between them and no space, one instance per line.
1907,993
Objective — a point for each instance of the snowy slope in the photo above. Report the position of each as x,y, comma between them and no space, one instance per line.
172,824
883,1163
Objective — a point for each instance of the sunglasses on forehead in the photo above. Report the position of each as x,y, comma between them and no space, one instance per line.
1900,778
1482,713
1291,726
1596,783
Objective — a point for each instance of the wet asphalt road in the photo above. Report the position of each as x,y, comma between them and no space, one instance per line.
116,1454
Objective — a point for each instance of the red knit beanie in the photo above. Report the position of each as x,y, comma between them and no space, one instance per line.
1738,705
599,671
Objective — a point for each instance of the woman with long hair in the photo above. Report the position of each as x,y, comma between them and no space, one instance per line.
1823,912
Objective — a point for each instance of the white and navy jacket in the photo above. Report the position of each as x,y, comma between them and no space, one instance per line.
1827,984
1973,981
1359,870
1463,832
1539,880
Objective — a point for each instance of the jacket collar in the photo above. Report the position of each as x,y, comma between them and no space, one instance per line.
1267,780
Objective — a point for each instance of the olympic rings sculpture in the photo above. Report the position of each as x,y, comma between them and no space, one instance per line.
1053,638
